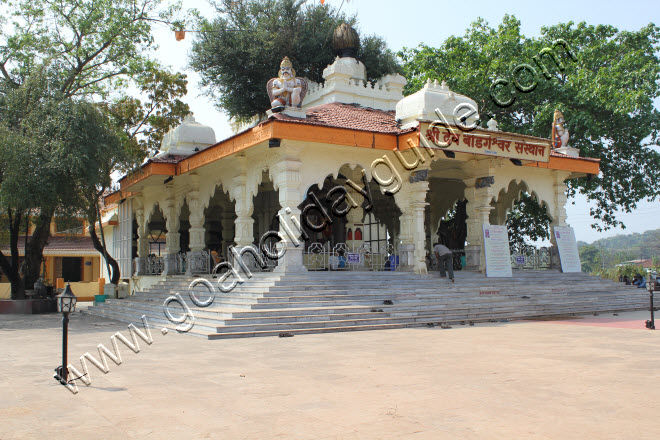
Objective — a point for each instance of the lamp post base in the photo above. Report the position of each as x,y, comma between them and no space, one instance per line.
59,375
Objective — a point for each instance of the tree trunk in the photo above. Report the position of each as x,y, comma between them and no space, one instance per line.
99,247
34,254
15,280
453,232
10,265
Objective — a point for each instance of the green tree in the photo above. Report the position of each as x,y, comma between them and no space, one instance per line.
606,97
527,221
143,123
57,53
590,257
237,52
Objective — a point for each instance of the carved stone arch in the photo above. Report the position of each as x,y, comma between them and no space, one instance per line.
510,193
151,210
206,195
332,170
534,193
254,177
232,190
180,199
508,196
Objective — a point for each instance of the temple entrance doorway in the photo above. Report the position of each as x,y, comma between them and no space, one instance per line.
445,218
219,219
358,234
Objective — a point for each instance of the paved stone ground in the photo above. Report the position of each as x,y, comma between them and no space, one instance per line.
515,380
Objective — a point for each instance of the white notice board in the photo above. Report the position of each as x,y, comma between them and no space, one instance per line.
496,248
568,250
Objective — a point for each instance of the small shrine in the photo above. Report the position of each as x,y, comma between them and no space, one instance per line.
350,174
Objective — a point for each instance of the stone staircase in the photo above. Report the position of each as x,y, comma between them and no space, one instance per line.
268,304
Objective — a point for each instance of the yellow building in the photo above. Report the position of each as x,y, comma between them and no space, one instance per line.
69,257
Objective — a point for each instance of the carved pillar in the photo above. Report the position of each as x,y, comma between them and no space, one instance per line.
478,211
172,238
196,258
287,181
143,239
418,205
411,200
558,215
405,236
244,223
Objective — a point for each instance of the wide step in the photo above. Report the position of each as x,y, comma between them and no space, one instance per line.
269,304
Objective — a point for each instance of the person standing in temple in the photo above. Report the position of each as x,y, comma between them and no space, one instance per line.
444,258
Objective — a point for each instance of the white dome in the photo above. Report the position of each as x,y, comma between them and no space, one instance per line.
186,138
422,105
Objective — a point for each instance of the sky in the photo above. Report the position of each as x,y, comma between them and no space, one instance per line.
410,23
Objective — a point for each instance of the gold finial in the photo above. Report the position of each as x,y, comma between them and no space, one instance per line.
345,41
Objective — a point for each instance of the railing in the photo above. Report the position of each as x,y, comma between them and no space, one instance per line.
532,259
270,264
200,262
457,257
343,257
181,262
154,265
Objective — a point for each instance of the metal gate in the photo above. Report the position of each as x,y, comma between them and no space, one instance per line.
344,257
532,258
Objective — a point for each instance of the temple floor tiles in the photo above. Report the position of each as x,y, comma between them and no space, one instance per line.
513,380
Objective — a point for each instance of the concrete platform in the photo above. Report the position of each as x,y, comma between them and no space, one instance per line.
596,377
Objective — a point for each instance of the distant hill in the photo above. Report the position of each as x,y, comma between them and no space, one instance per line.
644,245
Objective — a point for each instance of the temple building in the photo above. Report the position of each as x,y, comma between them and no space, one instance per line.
352,175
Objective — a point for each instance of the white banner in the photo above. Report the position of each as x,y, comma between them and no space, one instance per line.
568,250
496,248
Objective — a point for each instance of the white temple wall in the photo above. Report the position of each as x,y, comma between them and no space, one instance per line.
296,166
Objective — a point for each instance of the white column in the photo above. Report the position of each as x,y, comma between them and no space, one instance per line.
405,236
172,244
287,181
142,241
196,258
411,200
478,211
244,223
558,215
418,205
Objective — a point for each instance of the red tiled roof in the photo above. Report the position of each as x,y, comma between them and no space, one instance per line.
351,116
61,244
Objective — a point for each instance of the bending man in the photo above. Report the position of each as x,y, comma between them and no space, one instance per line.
445,258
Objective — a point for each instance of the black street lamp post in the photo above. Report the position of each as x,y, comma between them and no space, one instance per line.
66,303
651,286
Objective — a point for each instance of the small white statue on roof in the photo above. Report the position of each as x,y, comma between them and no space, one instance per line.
286,90
560,137
559,132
